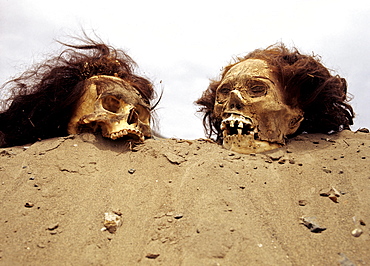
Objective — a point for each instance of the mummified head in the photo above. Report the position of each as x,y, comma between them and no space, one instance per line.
112,106
85,88
270,95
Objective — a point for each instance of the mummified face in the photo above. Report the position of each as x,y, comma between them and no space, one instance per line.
249,103
112,106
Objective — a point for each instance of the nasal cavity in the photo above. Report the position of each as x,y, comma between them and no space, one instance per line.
235,106
133,117
111,104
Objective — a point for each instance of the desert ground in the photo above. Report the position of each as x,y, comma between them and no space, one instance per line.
86,200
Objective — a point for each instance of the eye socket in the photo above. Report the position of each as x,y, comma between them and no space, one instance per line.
143,113
258,90
224,90
111,104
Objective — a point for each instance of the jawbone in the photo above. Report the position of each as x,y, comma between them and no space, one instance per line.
240,135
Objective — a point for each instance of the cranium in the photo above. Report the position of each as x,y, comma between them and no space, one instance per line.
114,106
249,104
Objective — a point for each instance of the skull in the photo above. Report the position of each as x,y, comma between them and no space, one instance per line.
114,106
250,106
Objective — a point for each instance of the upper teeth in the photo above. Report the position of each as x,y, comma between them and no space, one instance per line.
238,121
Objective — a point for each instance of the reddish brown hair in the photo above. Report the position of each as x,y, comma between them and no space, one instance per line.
44,98
306,84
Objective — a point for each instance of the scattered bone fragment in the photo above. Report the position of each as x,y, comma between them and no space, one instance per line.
345,261
332,193
112,220
310,223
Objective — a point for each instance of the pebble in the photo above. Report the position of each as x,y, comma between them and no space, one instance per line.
152,255
53,226
29,205
178,216
326,171
40,245
132,170
357,232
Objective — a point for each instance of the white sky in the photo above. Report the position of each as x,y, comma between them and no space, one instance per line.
186,43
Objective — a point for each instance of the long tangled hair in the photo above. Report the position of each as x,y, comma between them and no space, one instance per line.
306,85
43,99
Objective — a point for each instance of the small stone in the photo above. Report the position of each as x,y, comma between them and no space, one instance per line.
334,198
221,165
132,170
29,205
53,226
178,216
357,232
325,192
152,255
302,202
326,171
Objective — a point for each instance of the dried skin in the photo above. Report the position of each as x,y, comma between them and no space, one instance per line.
249,104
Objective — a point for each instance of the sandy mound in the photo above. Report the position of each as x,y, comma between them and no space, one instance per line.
186,202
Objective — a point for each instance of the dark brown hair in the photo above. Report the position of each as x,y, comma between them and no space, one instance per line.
44,98
306,84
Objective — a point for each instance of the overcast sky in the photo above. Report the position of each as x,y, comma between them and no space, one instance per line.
180,45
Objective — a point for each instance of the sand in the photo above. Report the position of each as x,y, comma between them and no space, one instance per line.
186,202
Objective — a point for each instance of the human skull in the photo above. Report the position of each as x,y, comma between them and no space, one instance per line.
250,106
114,106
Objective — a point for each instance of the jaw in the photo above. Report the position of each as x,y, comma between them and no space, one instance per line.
240,135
